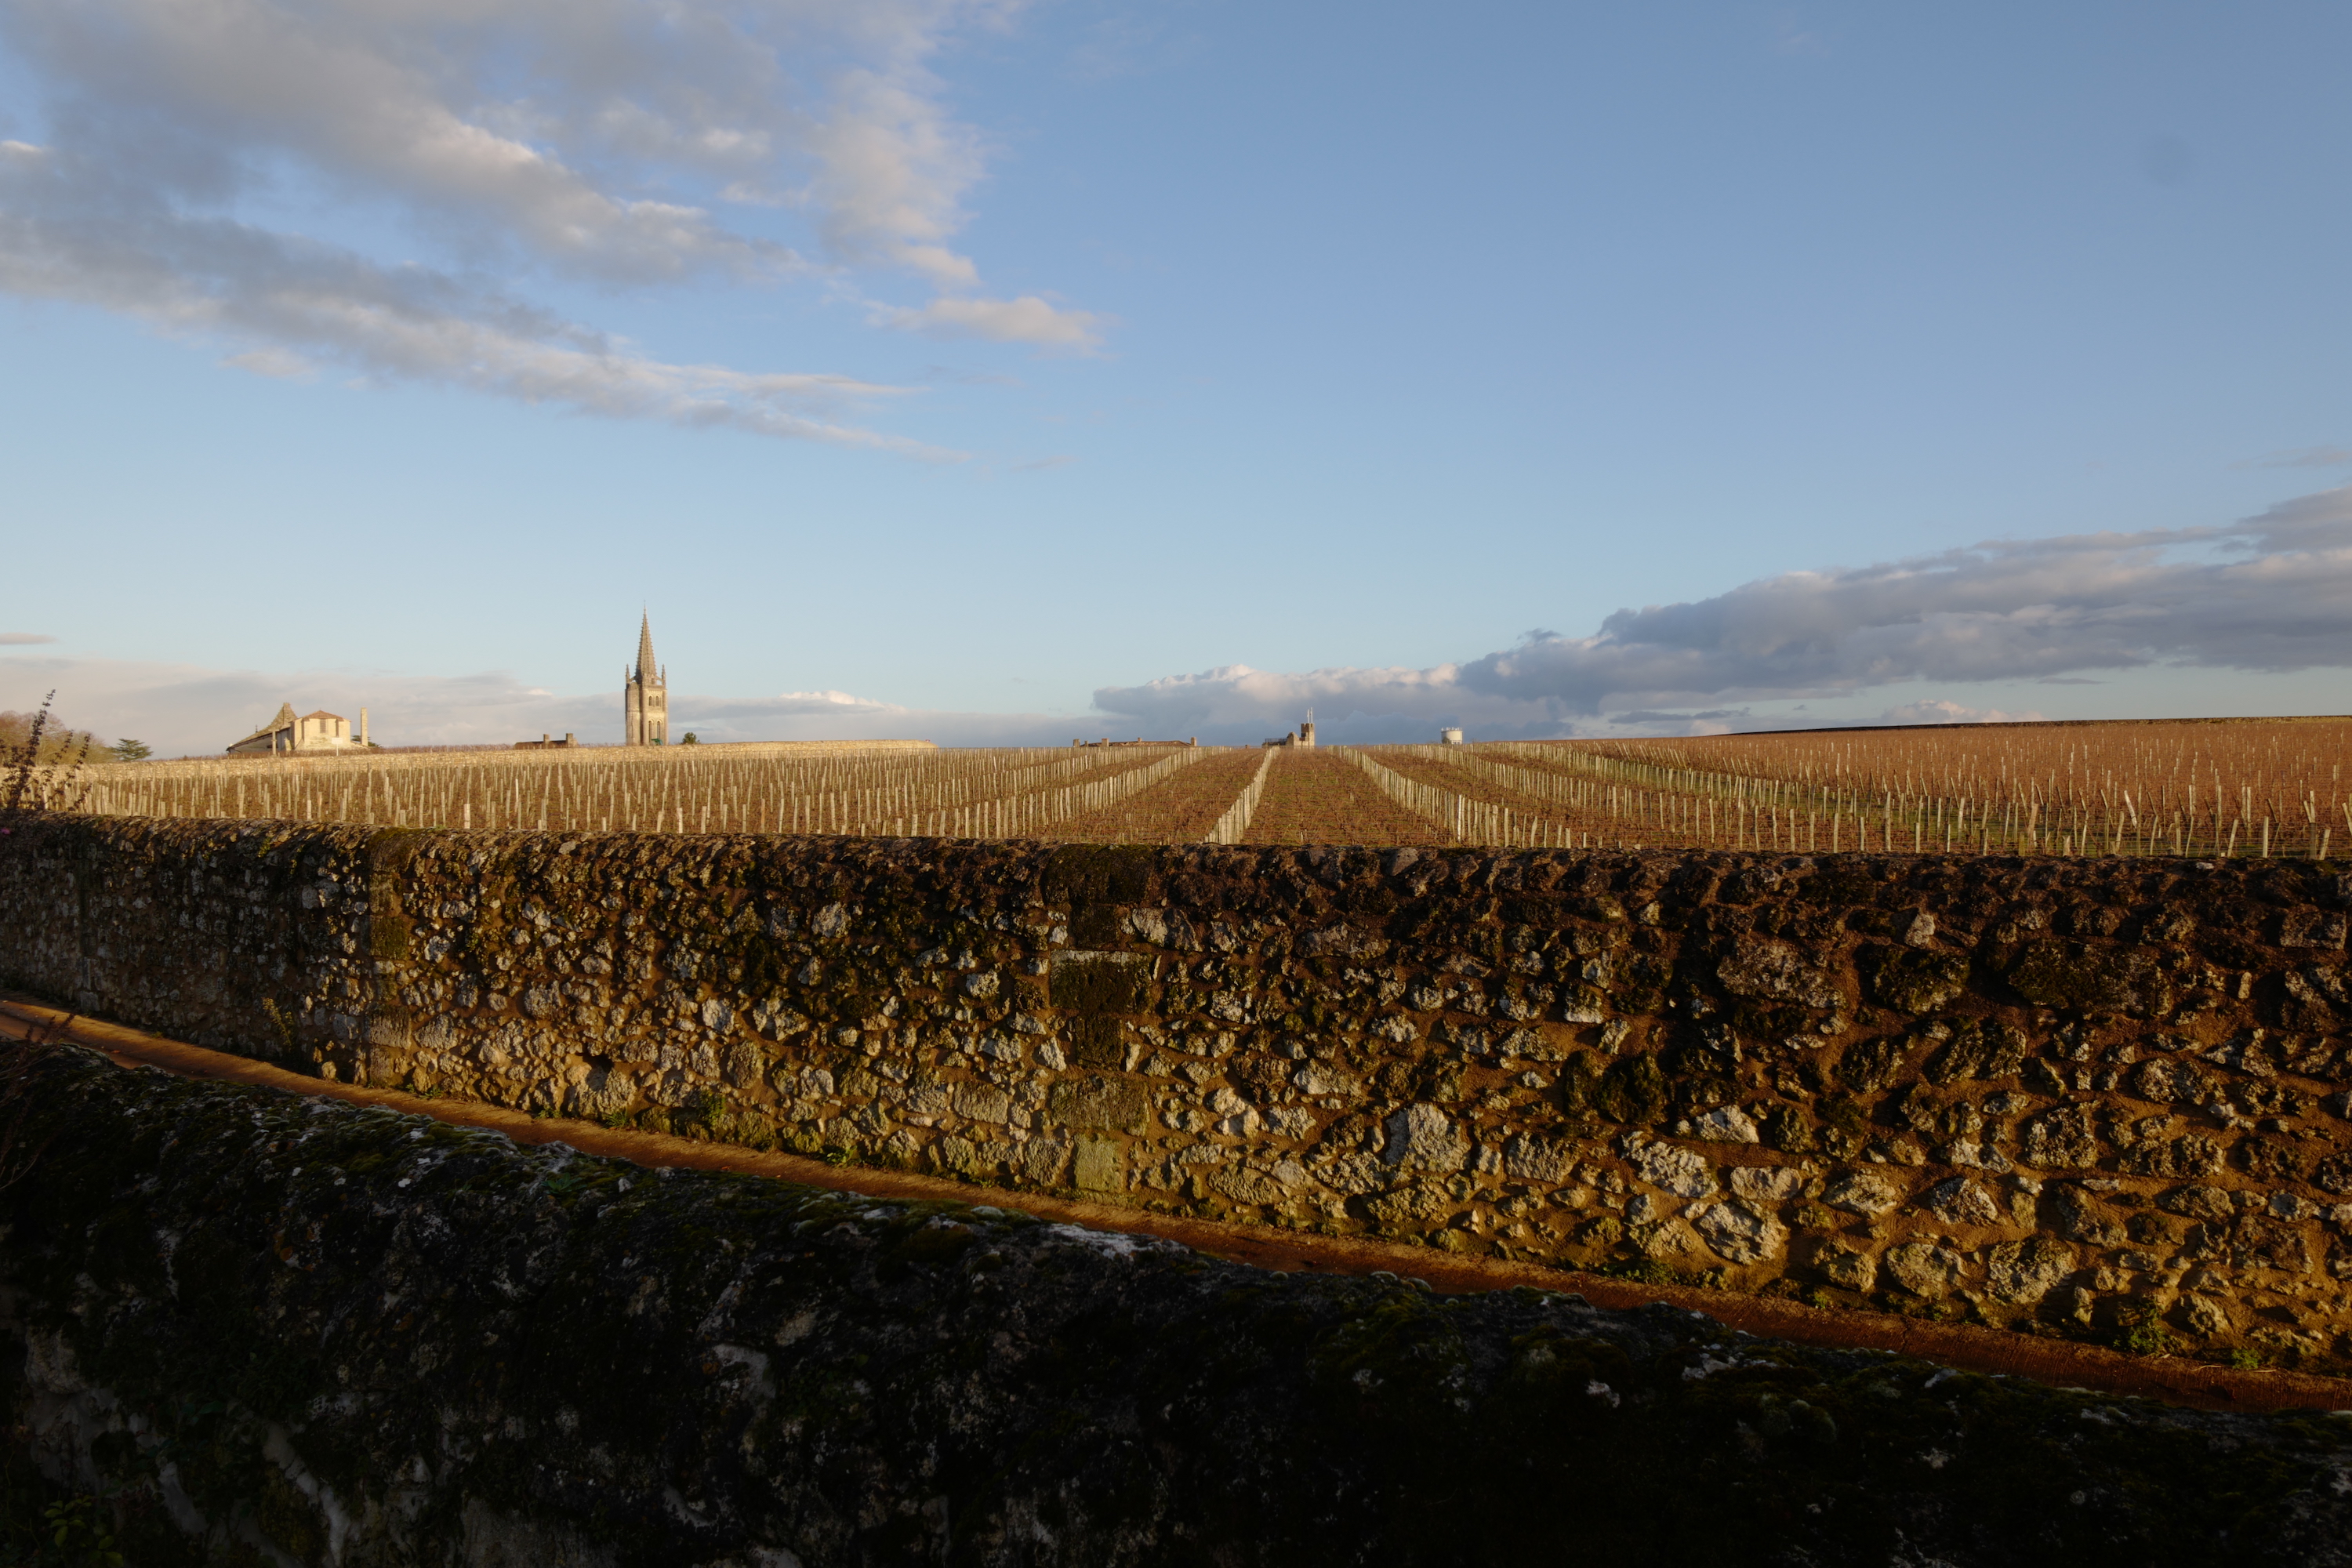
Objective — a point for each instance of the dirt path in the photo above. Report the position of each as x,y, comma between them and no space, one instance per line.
1179,809
1316,797
1975,1349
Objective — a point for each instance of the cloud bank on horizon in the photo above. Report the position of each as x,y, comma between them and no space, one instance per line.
2269,594
2272,592
610,143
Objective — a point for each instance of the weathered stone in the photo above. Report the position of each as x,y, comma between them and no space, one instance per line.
1843,1266
1767,967
2058,1140
1915,981
2204,1317
1737,1232
2026,1271
2261,1241
1725,1124
2194,1156
1319,1079
621,976
2069,976
1671,1239
2311,928
1958,1201
2076,1217
1677,1170
1342,941
980,1102
1043,1161
2170,1080
744,1065
1974,1156
603,1093
1098,1102
1767,1185
1863,1191
1411,1205
1925,1268
1422,1137
848,1323
1537,1159
1247,1186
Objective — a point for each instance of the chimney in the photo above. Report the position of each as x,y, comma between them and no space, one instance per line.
363,740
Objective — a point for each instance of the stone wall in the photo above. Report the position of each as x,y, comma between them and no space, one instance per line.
248,1328
2097,1097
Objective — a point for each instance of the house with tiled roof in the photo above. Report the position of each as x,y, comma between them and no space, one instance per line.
289,735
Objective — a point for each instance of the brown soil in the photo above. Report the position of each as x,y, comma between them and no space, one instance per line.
1315,797
1597,826
1975,1349
1177,810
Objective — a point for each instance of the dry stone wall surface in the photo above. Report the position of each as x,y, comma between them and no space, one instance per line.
2097,1096
252,1329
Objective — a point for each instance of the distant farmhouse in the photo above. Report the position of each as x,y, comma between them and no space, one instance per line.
644,695
287,735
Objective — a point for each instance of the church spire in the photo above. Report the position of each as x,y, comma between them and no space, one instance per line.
646,670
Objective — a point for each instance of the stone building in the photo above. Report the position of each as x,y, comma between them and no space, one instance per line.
1302,736
644,695
288,735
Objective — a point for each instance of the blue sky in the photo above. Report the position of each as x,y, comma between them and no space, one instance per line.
361,354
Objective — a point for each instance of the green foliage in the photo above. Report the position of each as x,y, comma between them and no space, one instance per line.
127,750
70,1533
79,1536
2140,1330
691,739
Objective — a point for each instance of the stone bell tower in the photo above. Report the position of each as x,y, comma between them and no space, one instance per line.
644,695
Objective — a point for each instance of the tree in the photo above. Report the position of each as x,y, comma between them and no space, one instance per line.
127,750
690,740
57,743
41,763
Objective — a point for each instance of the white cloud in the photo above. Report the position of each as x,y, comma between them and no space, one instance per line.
2272,592
302,301
189,711
20,639
1939,712
588,140
2330,456
281,363
1028,319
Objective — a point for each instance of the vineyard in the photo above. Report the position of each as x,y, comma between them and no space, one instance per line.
877,790
2241,789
